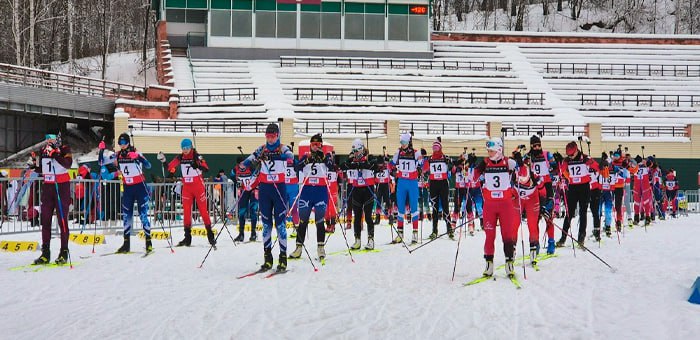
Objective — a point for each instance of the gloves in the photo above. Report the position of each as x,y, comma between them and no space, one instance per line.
30,162
161,157
195,165
558,157
133,155
471,159
518,158
102,145
546,209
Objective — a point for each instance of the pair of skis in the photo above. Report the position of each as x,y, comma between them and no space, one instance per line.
263,271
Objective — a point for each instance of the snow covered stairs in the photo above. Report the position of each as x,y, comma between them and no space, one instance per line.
536,83
264,76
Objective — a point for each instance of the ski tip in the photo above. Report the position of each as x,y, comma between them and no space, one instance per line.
315,269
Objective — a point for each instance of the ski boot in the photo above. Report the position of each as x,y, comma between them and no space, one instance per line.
608,231
399,237
239,238
377,218
370,243
636,219
630,222
282,265
187,241
430,216
253,237
489,268
534,251
561,241
415,237
596,234
433,235
126,247
581,242
510,270
321,251
358,243
62,257
618,226
297,252
550,246
149,245
45,255
450,232
210,236
647,221
267,264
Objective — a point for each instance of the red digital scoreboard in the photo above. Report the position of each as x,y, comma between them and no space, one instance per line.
418,9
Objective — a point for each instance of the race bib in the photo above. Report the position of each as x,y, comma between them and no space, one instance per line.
497,181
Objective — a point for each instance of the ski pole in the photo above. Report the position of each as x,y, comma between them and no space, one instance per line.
216,239
330,195
443,234
454,267
586,248
60,210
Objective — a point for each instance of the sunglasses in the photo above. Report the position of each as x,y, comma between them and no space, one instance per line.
490,145
187,148
50,136
404,142
270,135
536,146
123,142
316,144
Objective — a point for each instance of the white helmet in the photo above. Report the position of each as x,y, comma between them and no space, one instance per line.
405,138
357,145
495,144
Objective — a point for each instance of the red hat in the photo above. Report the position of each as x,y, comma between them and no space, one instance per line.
437,146
571,148
670,176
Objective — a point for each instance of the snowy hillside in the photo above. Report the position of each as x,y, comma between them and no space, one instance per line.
125,67
390,294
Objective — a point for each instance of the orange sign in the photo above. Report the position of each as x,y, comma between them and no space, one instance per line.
422,10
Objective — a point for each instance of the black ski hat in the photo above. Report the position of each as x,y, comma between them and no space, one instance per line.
638,159
316,138
535,140
124,137
272,128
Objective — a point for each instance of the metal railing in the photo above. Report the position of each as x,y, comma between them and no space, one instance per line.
690,203
657,70
444,128
221,126
339,126
218,95
643,100
93,208
389,63
644,131
62,82
516,129
419,96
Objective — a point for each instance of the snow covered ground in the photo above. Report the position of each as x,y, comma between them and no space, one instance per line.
389,294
